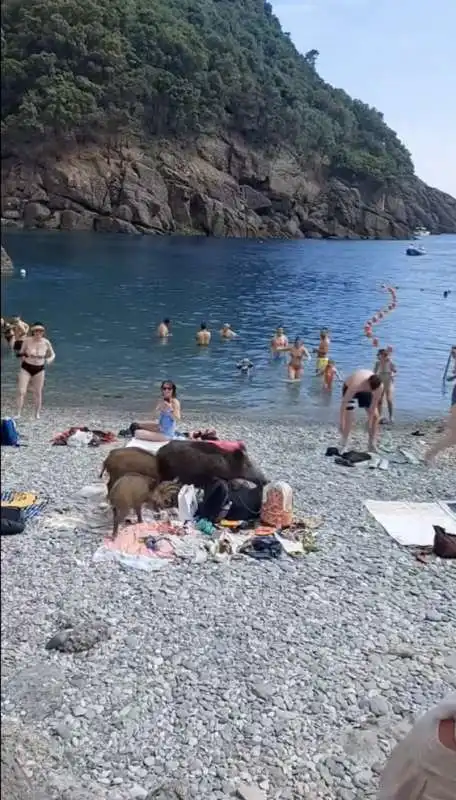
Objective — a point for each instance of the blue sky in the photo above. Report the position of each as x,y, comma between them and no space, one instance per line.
396,55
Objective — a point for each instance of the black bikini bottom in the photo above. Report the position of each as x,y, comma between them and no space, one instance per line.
32,369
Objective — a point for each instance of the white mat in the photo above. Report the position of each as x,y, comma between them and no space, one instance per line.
411,523
150,447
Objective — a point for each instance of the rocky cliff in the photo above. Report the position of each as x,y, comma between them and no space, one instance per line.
6,263
216,187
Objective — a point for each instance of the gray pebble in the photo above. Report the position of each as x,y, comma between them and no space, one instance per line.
379,706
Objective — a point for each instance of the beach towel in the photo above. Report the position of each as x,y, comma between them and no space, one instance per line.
411,524
29,502
143,444
228,447
144,546
98,437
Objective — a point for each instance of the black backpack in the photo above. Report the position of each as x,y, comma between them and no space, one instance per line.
231,500
12,521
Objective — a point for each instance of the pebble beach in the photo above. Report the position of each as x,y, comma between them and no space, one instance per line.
292,678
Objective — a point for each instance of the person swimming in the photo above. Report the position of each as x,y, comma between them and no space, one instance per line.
322,351
244,366
279,342
298,351
163,330
227,333
203,336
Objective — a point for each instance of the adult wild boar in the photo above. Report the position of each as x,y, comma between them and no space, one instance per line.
199,463
123,460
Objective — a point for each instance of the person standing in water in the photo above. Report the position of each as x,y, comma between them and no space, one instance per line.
322,352
163,331
279,342
36,354
386,370
365,389
203,336
297,351
227,333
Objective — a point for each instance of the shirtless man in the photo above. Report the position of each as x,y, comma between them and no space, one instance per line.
227,333
163,329
203,336
279,341
366,389
20,331
322,352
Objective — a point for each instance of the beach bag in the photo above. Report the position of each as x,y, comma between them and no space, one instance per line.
237,500
277,506
12,521
10,436
444,543
187,503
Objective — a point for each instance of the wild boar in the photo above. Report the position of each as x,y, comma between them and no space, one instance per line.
200,462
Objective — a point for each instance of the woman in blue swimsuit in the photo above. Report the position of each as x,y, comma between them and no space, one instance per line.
169,413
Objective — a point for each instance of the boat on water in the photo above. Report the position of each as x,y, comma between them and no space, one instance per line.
415,250
419,232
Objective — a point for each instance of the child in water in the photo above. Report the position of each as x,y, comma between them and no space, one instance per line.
328,374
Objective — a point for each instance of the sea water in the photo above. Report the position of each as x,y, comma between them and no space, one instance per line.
102,296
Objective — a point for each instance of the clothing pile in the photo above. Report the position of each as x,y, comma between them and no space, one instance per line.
81,436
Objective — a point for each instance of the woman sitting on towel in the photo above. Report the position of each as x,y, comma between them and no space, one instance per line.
169,413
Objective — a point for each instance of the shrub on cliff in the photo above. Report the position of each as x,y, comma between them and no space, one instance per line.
176,68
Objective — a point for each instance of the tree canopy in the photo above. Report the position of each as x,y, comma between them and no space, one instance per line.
178,68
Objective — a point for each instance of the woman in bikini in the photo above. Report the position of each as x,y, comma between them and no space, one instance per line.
168,409
386,370
297,351
36,353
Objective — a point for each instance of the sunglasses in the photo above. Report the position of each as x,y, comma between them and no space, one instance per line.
167,389
37,330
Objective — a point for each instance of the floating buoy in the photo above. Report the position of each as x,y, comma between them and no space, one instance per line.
379,315
22,273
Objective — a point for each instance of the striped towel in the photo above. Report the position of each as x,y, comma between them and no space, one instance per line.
29,502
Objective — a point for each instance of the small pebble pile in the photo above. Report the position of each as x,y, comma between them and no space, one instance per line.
287,680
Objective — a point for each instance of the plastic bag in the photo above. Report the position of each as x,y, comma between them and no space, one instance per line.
187,503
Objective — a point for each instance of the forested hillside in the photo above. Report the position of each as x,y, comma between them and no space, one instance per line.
177,68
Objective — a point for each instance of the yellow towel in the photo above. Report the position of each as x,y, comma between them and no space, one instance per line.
20,500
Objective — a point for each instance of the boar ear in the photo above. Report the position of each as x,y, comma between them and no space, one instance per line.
238,456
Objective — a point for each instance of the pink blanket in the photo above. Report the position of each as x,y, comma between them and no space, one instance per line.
129,540
228,447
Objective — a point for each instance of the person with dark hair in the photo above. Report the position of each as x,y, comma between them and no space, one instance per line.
163,331
365,389
203,336
168,409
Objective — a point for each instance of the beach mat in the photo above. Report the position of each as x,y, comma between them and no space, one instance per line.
149,447
412,524
29,502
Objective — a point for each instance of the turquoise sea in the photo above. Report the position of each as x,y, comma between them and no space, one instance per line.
101,298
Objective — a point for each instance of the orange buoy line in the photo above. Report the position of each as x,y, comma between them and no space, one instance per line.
379,316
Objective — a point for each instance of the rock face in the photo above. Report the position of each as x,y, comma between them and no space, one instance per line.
218,187
7,264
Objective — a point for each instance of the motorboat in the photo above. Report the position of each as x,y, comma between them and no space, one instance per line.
419,232
415,250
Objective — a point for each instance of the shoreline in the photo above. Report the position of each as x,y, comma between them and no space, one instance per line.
297,675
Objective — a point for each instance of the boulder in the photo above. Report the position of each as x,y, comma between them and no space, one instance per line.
256,201
179,203
76,220
6,263
113,225
35,214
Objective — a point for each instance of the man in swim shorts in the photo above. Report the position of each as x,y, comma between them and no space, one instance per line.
365,389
